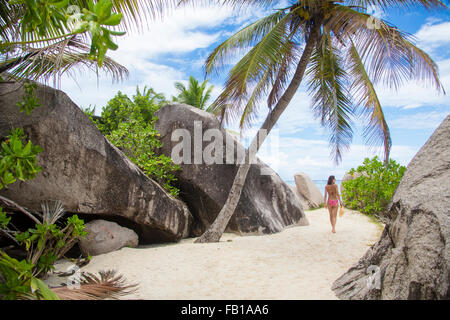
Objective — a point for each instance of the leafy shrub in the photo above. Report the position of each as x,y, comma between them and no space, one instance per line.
47,241
138,141
121,109
17,158
29,100
19,282
371,191
130,126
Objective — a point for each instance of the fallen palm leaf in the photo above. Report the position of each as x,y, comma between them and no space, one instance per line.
92,287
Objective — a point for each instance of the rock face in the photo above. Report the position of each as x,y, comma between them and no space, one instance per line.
348,177
85,171
300,198
310,195
267,204
106,236
412,258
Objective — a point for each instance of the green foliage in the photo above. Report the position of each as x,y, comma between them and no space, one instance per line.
195,94
47,20
44,244
94,20
4,219
48,242
17,159
29,100
121,109
138,141
19,282
129,125
43,290
77,225
89,111
17,277
374,187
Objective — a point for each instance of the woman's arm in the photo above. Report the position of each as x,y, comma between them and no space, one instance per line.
325,197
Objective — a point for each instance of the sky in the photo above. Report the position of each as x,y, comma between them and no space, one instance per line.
174,48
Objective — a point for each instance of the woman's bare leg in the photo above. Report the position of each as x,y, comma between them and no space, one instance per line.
334,216
330,210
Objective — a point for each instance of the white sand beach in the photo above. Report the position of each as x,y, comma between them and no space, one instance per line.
298,263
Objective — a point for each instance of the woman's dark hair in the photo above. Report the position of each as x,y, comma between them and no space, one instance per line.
330,179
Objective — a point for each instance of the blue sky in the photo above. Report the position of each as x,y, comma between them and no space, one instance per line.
176,47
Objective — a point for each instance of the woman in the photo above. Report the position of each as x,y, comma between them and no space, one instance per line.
331,189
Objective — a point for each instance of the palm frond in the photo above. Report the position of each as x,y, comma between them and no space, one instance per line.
9,16
55,35
249,113
54,60
376,131
404,4
330,98
195,94
241,41
107,285
389,54
221,112
250,79
140,12
236,4
137,13
52,211
206,94
283,75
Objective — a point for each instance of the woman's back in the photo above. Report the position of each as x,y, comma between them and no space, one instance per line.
332,190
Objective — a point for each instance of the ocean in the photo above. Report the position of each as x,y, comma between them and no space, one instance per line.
319,183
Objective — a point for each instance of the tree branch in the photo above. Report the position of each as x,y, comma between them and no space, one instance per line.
13,205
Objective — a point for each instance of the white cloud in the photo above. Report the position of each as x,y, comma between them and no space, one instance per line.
295,155
412,106
417,121
432,35
179,32
88,90
413,94
295,119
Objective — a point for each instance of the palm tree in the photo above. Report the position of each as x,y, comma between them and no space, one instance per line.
47,48
195,94
343,51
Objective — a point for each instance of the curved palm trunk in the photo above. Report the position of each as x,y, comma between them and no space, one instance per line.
217,228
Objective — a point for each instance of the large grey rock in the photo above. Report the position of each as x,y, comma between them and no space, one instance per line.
347,177
413,254
85,171
310,195
305,205
267,204
106,236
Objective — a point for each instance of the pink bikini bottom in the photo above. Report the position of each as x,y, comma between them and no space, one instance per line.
333,203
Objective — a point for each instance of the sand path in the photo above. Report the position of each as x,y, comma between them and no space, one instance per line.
298,263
